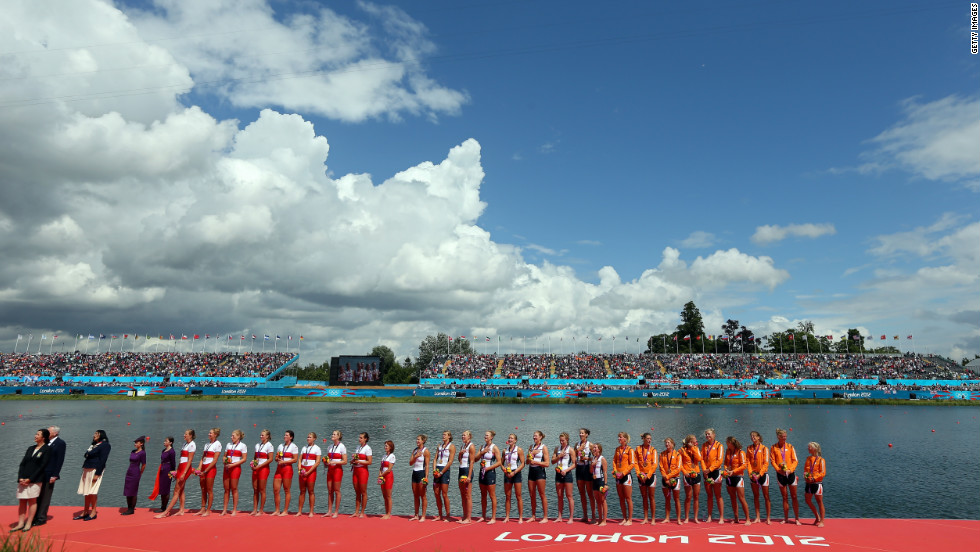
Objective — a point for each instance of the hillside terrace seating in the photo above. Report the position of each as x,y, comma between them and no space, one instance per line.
133,364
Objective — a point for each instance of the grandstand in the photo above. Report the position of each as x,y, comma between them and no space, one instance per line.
157,369
718,370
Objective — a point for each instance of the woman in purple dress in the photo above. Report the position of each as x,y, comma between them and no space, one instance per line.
131,486
168,463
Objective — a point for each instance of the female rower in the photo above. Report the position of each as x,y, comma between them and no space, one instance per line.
207,470
538,460
445,454
624,462
646,476
713,459
564,462
287,453
467,457
514,462
181,474
814,470
420,476
309,461
758,457
783,457
691,468
236,453
583,473
490,460
335,460
735,465
386,477
599,489
363,457
260,471
670,475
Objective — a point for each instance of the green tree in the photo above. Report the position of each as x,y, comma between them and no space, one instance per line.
691,325
853,343
386,355
401,374
731,329
314,372
439,344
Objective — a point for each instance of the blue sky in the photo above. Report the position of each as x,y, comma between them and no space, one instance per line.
491,168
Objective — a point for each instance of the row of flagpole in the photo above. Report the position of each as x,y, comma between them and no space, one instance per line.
677,338
561,342
169,344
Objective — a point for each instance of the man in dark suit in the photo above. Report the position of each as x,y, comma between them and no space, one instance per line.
52,474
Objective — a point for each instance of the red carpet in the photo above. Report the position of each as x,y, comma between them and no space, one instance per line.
141,532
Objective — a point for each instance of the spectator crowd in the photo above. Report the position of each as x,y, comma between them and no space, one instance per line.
690,366
175,367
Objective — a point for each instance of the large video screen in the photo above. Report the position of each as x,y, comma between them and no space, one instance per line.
355,370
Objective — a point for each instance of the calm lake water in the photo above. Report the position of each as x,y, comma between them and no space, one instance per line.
924,474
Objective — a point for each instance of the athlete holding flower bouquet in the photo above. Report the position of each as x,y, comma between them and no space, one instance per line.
735,466
691,470
670,474
334,460
564,461
513,477
489,457
309,461
386,478
235,455
783,457
599,488
445,455
264,454
758,457
467,457
713,458
814,470
646,475
420,476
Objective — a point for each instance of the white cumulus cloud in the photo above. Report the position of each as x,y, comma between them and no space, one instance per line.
771,233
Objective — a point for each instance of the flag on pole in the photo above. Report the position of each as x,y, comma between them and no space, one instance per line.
790,336
908,337
301,338
266,337
488,338
724,338
687,337
896,338
196,336
882,337
278,338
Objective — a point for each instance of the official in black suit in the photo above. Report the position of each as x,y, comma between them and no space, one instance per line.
56,458
29,477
